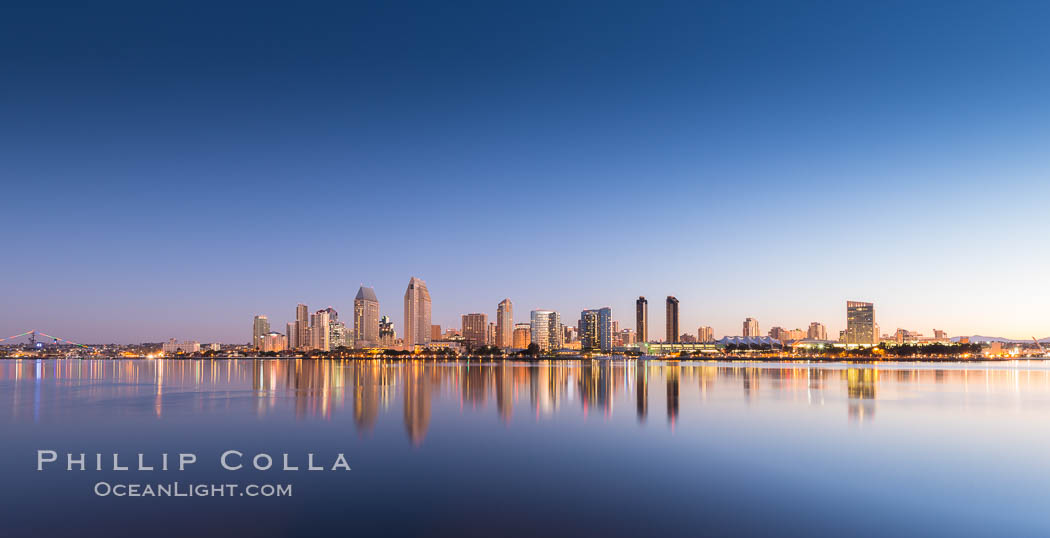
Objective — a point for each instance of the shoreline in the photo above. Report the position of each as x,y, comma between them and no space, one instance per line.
813,359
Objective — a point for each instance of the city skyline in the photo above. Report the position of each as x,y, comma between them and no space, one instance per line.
599,330
829,326
894,157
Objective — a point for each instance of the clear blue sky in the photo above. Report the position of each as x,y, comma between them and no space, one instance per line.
172,171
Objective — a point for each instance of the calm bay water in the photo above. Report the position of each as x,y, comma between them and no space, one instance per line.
613,447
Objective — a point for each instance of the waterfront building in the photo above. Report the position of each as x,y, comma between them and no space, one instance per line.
817,331
546,330
705,334
366,318
291,334
435,332
417,313
522,336
672,319
490,336
302,326
751,328
339,335
260,327
171,347
749,341
666,348
387,335
861,329
627,337
319,331
273,342
504,324
475,329
641,319
595,329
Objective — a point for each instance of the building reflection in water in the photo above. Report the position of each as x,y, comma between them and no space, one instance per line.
673,373
641,381
861,387
417,401
365,390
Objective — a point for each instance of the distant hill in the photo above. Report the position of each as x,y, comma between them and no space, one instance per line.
982,339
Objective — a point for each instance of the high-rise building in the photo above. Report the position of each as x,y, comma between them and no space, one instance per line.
522,336
260,328
641,316
366,318
387,335
490,335
596,329
273,342
627,337
339,335
817,331
302,326
417,313
504,324
291,334
751,328
546,330
319,331
672,319
778,333
435,332
860,324
705,335
475,329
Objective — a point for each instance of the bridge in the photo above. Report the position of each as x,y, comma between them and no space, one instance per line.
32,339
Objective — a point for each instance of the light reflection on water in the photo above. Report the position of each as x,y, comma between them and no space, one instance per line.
559,447
366,389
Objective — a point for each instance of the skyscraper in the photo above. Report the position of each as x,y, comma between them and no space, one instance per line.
546,330
504,324
320,331
705,335
291,334
641,316
596,329
260,328
387,336
751,328
366,318
435,332
860,324
522,335
672,319
273,342
417,313
475,329
302,326
817,331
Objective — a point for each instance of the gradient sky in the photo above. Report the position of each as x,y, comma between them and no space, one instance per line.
172,171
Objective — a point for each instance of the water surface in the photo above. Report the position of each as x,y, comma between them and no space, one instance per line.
612,447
